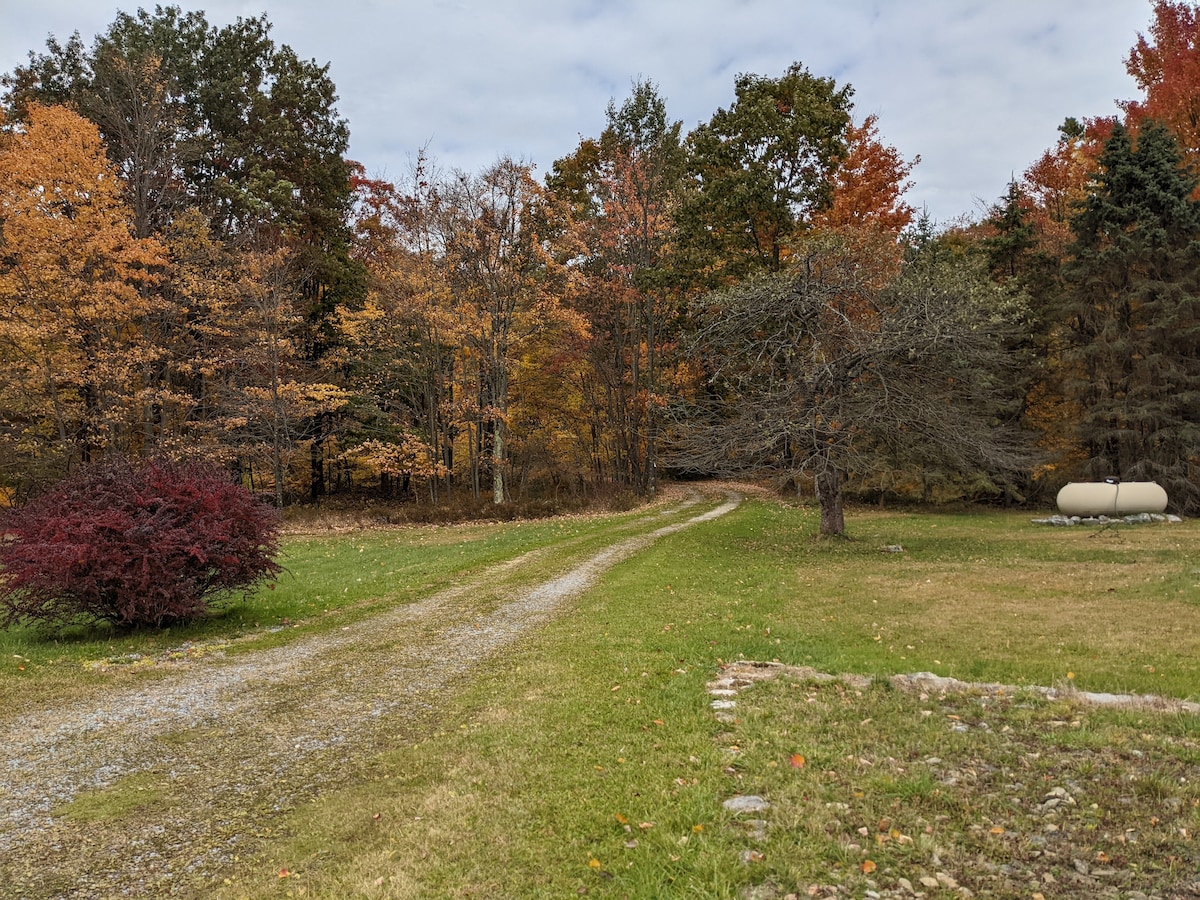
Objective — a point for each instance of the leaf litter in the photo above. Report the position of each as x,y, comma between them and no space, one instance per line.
924,786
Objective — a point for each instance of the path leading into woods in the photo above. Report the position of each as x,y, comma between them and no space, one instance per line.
204,759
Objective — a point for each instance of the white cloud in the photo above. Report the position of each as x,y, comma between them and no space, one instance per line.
976,88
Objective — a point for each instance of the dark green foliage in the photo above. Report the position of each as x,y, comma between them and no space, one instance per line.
1132,316
1013,237
144,545
756,170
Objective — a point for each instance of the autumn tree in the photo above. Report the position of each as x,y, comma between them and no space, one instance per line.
400,341
623,186
1132,331
499,231
72,302
866,208
868,185
1056,183
226,121
1166,66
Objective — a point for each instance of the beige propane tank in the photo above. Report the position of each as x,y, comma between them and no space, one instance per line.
1117,498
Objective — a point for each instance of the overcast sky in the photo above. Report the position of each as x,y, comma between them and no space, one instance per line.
976,88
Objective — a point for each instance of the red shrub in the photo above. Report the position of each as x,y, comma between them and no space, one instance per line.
135,545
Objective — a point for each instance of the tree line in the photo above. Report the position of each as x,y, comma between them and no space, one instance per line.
190,266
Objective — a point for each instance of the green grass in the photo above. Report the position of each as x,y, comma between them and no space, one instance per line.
589,760
328,580
592,762
128,796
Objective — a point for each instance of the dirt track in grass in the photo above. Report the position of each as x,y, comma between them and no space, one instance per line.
170,780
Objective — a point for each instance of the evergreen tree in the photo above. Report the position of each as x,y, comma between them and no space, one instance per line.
1013,236
1132,316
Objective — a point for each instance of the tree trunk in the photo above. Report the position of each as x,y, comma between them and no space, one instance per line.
498,460
316,480
829,493
651,387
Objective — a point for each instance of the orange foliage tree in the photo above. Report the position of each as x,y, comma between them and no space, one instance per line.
399,341
623,189
868,184
73,294
867,207
1166,66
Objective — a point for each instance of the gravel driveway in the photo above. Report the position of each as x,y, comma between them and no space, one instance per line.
220,747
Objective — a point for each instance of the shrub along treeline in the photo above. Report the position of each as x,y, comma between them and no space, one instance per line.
189,266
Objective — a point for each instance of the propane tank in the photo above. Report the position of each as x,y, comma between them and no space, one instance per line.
1111,498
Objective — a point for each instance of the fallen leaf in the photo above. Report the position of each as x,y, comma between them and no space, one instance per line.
868,867
997,830
797,761
284,873
594,863
696,829
645,826
620,818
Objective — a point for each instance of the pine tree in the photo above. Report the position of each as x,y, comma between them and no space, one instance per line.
1132,316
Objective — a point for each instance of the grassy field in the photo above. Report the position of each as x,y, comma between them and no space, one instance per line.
590,761
331,577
